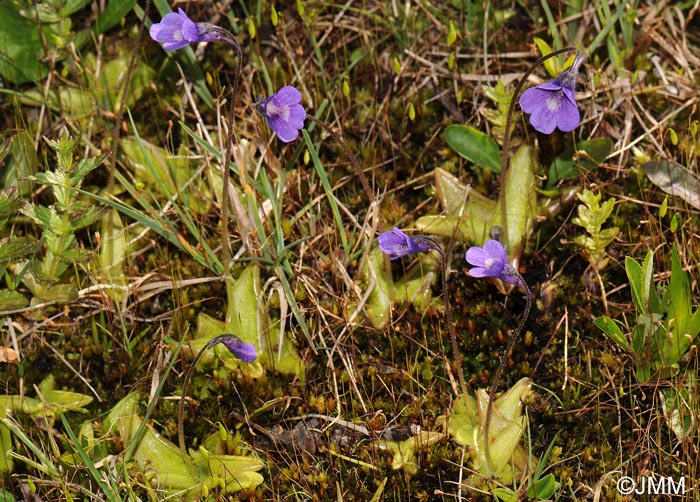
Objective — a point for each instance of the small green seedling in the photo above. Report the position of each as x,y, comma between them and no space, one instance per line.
47,278
592,215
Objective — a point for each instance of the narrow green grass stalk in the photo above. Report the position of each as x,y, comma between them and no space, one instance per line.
136,439
149,222
47,467
293,302
122,109
552,24
184,216
602,34
282,266
109,489
328,188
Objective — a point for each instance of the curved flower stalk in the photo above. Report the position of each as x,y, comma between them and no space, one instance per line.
175,31
491,260
242,350
505,150
397,244
553,104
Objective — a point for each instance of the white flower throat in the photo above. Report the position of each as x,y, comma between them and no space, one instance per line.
281,112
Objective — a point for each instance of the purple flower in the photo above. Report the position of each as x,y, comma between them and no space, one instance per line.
283,113
492,261
242,350
397,244
553,103
176,30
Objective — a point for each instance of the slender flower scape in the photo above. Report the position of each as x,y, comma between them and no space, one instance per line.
284,113
553,103
176,30
397,244
492,261
242,350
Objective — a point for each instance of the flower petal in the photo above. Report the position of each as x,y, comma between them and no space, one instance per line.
496,250
480,272
477,256
297,116
568,117
394,243
287,95
285,132
544,118
532,99
242,350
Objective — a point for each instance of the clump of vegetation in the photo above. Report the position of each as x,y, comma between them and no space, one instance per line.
162,193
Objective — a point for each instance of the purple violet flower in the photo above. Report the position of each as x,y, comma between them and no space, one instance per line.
242,350
284,113
176,30
397,244
553,103
491,260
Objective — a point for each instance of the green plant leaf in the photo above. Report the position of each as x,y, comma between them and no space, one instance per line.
22,161
612,328
467,424
581,158
21,51
115,11
675,180
543,488
678,324
404,452
377,272
551,64
466,208
416,285
11,300
15,248
518,199
474,146
640,291
505,494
